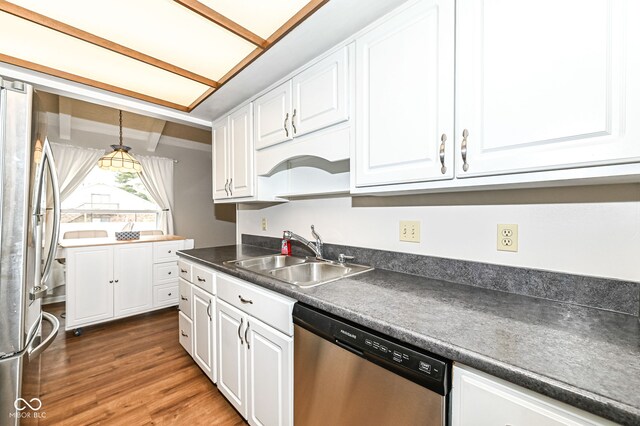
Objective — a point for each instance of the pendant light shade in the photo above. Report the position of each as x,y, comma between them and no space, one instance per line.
120,160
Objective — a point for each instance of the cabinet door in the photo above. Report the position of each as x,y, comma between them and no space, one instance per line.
404,97
269,375
539,87
481,400
241,149
273,116
203,312
232,355
220,159
89,285
133,278
320,94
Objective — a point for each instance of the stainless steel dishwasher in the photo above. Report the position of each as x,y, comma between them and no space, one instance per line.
345,374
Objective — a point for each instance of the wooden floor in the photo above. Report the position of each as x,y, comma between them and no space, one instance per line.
129,372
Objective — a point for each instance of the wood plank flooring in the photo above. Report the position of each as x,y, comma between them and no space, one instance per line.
129,372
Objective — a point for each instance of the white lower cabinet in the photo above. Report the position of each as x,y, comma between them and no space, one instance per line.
203,317
255,360
108,282
479,399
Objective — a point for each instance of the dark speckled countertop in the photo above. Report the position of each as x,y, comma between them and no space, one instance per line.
585,357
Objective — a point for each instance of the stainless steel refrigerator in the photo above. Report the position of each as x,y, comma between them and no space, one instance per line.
27,249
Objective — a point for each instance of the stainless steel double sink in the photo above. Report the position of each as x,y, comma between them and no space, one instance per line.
299,271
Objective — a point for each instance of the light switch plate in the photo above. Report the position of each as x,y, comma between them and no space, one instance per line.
508,237
410,231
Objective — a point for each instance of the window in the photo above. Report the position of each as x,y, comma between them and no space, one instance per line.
108,201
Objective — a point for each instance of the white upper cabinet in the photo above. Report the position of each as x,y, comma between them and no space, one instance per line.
220,159
404,96
316,98
320,94
273,116
233,153
241,153
546,84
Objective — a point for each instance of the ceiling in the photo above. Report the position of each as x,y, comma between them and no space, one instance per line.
326,26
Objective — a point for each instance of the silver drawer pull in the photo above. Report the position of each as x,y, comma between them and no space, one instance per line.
245,300
201,279
169,294
169,251
183,334
184,271
443,139
169,273
183,298
240,327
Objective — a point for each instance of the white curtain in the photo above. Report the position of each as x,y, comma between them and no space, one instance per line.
74,164
157,176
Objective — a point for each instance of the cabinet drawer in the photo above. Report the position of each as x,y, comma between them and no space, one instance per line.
204,278
185,293
166,251
185,270
185,330
267,306
164,273
166,295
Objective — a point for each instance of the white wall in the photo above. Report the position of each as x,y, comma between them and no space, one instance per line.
583,230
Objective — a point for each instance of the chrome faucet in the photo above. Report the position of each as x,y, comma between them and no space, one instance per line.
315,247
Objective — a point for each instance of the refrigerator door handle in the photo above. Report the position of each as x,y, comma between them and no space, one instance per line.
47,157
37,351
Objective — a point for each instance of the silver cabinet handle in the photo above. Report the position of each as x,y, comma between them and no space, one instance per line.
226,187
245,300
183,298
246,339
184,334
463,150
286,121
209,309
116,281
293,122
169,273
239,327
443,139
184,271
110,281
169,294
231,187
200,279
169,251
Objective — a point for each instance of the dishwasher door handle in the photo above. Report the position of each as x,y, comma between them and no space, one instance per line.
348,347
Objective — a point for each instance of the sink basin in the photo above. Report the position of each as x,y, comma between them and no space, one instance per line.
302,272
263,263
316,273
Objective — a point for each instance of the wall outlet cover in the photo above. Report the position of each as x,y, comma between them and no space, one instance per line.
264,224
508,237
410,231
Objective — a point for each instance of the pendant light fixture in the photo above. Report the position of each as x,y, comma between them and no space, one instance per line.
119,160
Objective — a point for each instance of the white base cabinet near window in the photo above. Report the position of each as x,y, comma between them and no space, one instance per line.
255,359
108,282
479,399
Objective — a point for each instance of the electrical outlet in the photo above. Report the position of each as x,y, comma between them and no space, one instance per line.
264,223
410,231
507,237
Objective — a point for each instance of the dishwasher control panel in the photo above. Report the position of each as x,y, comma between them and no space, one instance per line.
392,352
